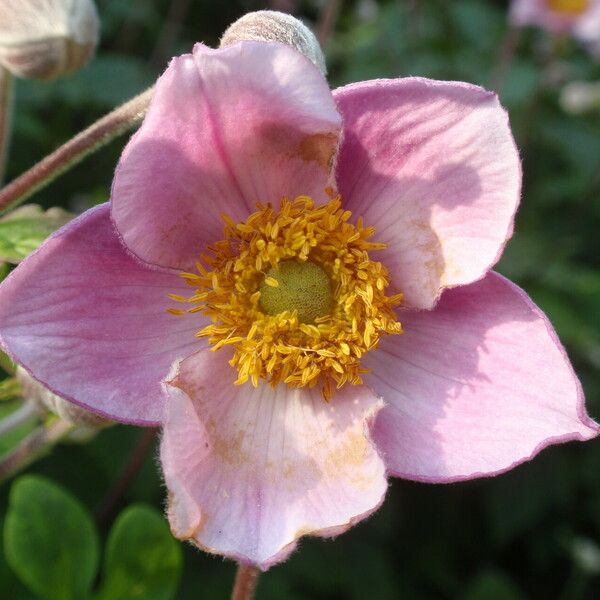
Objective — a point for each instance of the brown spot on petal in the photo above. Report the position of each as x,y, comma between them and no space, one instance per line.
302,531
230,449
351,452
292,143
320,148
347,458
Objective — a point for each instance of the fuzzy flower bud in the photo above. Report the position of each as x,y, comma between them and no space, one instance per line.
44,39
273,26
47,401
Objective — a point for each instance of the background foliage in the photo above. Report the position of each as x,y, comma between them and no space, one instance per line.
532,533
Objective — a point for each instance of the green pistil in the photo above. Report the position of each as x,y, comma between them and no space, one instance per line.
301,286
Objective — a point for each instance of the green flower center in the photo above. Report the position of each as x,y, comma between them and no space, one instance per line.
296,286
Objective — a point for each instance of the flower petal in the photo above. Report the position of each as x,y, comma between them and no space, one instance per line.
250,471
434,168
226,129
89,321
537,12
475,387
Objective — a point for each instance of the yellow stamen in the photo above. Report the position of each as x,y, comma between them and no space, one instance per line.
569,7
272,282
295,294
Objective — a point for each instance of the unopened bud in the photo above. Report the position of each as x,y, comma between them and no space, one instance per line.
44,39
273,26
48,401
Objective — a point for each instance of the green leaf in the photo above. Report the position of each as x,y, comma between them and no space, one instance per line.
4,270
10,389
491,584
6,364
143,560
50,540
25,228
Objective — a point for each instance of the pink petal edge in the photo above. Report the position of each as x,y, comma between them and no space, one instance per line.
226,128
84,318
443,383
433,166
250,471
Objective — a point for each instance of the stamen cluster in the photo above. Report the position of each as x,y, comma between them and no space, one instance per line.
280,348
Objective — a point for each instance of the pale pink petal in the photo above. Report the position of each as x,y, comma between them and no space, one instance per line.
250,471
474,387
89,321
226,129
434,168
587,28
540,14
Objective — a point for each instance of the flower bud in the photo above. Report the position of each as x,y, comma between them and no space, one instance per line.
273,26
44,39
48,401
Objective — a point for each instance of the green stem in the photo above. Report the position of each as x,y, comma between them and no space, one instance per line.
6,112
246,579
21,415
32,447
112,125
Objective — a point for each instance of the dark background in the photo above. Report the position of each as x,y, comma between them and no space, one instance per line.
531,533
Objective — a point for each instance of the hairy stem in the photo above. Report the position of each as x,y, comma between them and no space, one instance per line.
246,579
34,446
6,111
16,418
112,125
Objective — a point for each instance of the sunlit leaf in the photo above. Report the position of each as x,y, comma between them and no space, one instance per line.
143,560
25,228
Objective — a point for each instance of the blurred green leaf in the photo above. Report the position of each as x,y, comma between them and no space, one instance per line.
478,26
143,560
517,501
8,405
50,540
492,585
106,81
10,584
25,228
7,364
10,388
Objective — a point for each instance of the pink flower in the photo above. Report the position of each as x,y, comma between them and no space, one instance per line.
579,18
476,383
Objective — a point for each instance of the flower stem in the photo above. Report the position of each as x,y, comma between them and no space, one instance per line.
327,21
505,56
16,418
112,125
246,579
134,463
35,445
6,111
